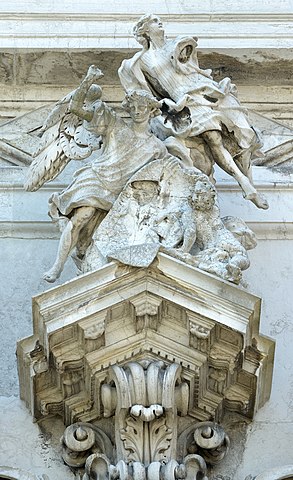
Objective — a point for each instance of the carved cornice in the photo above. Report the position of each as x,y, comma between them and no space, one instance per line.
172,314
220,16
99,29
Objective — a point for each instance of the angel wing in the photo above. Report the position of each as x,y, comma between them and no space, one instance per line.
64,138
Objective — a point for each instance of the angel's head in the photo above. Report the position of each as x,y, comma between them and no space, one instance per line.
94,93
141,105
148,27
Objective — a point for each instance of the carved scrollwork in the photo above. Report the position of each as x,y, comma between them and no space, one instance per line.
98,467
145,433
207,439
80,440
145,397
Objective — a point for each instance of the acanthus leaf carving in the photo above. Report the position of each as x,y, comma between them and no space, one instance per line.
160,437
132,437
136,348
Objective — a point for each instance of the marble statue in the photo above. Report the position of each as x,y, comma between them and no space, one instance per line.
168,207
195,106
95,186
142,189
141,361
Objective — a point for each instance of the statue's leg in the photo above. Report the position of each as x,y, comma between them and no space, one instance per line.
86,234
243,163
223,158
68,240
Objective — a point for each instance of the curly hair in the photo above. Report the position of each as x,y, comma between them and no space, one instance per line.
140,30
142,96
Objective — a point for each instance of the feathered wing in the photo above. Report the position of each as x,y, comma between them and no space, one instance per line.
64,138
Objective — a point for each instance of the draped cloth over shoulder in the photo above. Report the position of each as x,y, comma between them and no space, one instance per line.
172,71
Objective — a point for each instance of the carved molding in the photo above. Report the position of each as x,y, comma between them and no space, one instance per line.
141,364
92,29
86,331
146,441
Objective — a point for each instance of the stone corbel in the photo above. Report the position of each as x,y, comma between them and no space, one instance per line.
146,398
85,445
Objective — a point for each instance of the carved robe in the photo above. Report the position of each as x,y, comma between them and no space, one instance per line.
99,183
172,71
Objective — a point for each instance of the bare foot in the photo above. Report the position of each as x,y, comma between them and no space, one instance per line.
258,199
52,275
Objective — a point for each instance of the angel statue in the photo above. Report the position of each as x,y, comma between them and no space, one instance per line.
82,127
204,114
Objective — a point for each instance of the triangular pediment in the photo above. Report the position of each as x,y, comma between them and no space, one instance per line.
277,142
19,138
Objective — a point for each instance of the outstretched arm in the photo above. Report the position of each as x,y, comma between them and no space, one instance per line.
78,98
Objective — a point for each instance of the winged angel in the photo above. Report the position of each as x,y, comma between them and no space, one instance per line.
83,127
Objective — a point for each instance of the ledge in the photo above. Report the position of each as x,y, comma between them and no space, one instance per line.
72,29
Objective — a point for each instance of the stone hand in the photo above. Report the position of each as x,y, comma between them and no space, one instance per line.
94,72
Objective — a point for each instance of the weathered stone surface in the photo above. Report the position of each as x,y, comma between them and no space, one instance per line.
229,25
81,126
29,452
249,68
174,209
195,340
270,275
59,68
6,68
181,353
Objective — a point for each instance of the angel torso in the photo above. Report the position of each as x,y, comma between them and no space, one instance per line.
171,72
122,152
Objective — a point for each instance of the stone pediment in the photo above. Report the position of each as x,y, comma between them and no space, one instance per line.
19,139
277,140
170,313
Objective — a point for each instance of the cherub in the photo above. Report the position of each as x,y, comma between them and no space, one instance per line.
219,251
205,241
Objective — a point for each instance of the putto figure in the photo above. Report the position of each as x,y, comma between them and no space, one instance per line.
126,147
197,108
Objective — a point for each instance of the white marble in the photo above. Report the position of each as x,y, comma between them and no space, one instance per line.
26,229
96,24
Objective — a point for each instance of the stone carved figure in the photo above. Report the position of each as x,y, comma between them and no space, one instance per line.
196,106
219,251
153,197
95,187
168,207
